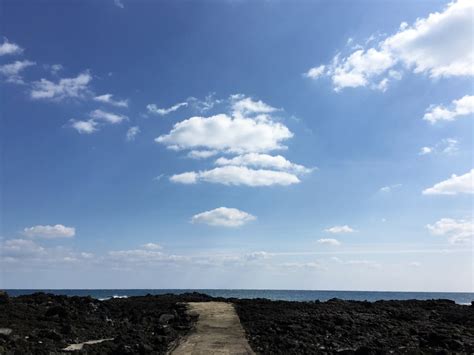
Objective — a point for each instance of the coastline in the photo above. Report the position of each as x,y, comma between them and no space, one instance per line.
47,324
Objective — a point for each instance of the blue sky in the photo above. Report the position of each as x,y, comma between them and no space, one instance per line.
237,144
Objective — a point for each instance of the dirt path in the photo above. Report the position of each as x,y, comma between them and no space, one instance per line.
218,331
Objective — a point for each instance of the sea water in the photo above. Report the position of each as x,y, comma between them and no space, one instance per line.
286,295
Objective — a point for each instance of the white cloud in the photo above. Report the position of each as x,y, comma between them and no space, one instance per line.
224,133
202,154
152,108
461,107
223,217
151,246
457,231
205,105
50,232
243,106
425,151
265,161
108,117
84,127
9,48
340,229
329,241
414,264
439,45
454,185
12,71
445,146
108,99
315,72
237,175
65,88
389,188
132,133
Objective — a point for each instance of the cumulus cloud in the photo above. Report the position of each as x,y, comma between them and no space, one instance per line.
257,160
84,127
457,231
9,48
445,146
315,72
223,217
49,232
108,117
108,99
152,108
243,106
461,107
340,229
463,184
132,133
65,88
12,71
329,241
225,133
237,175
202,154
439,45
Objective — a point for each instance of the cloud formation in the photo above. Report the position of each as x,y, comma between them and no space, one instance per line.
12,71
132,133
152,108
340,229
49,232
461,107
329,241
457,231
223,217
237,175
108,117
108,99
445,146
226,134
65,88
84,127
439,45
9,48
265,161
463,184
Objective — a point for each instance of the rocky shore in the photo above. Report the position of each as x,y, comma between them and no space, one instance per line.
47,324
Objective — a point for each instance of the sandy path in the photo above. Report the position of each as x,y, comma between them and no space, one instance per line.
218,331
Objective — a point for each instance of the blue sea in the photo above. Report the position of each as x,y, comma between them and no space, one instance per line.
286,295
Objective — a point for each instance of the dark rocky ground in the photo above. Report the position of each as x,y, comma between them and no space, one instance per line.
351,327
45,324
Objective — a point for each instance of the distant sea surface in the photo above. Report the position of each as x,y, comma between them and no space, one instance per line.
286,295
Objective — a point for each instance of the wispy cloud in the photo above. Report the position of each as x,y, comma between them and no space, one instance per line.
108,99
49,231
12,71
65,88
132,133
153,109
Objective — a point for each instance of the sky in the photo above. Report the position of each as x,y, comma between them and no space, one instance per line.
263,144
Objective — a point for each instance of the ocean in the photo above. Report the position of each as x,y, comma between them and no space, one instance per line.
286,295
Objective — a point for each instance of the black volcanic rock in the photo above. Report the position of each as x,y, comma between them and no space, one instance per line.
352,327
45,324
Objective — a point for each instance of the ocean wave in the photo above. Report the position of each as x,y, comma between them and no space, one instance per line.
113,296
